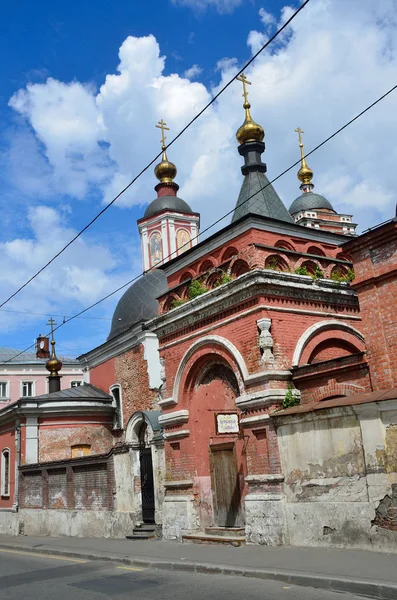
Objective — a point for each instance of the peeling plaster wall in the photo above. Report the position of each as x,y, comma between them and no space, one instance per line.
340,470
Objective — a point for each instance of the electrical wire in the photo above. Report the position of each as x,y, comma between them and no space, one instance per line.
198,115
330,137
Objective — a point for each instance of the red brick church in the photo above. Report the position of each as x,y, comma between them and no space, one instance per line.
233,369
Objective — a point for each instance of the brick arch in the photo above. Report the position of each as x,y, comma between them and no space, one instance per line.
186,275
343,256
206,265
315,250
277,262
284,244
229,253
239,267
336,389
210,345
170,299
330,329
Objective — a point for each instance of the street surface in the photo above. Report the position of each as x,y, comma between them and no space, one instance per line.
38,577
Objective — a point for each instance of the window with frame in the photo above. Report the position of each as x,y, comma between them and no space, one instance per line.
5,472
75,383
27,389
3,389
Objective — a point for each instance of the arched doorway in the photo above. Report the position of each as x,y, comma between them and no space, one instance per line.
144,436
212,389
146,472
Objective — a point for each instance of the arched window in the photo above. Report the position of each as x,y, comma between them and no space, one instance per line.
206,266
5,472
115,391
229,253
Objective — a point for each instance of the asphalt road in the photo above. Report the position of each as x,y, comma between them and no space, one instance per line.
38,577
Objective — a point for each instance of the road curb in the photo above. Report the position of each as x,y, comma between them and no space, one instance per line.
372,589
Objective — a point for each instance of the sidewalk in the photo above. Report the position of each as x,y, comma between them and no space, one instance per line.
363,572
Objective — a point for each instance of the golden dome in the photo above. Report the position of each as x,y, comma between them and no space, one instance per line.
166,170
53,364
305,174
249,130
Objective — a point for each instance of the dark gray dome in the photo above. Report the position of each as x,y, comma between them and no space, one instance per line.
309,201
167,202
139,302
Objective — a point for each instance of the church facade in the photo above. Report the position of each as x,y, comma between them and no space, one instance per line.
245,405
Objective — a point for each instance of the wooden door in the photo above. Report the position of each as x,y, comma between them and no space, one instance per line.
225,487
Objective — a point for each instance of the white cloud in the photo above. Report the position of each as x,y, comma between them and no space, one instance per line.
327,69
222,6
68,284
193,72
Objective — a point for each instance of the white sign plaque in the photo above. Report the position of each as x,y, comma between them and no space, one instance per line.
227,423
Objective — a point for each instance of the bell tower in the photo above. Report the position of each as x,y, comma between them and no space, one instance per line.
168,227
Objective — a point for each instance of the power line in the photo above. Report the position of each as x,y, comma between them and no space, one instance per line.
24,312
330,137
198,115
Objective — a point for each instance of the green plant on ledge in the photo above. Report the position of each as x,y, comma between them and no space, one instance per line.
196,288
350,275
318,273
177,302
290,398
224,278
302,270
273,264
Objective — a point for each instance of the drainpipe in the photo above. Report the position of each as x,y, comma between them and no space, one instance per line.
17,464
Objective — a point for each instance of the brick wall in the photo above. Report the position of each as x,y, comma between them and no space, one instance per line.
77,484
132,374
56,439
374,255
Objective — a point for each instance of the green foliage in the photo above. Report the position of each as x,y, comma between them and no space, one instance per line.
177,302
225,278
302,270
350,275
196,288
273,264
318,273
290,398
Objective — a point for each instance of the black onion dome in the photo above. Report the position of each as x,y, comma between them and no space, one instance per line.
139,302
167,203
309,201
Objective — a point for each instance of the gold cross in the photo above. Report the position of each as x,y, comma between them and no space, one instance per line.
244,81
299,132
51,323
161,125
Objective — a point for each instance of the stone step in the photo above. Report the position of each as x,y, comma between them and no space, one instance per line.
145,527
225,531
144,535
204,538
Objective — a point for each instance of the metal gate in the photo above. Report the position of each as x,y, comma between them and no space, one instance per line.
147,485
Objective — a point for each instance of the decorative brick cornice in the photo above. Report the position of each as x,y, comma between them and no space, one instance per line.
175,418
261,399
258,282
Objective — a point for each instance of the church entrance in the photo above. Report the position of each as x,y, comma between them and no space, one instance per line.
146,471
225,485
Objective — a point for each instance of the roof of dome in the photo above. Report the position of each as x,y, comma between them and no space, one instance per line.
167,202
139,302
309,201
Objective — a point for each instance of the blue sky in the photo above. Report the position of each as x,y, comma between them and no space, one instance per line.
83,85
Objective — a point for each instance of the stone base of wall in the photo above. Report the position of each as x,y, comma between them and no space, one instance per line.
9,522
337,524
264,519
179,516
90,523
